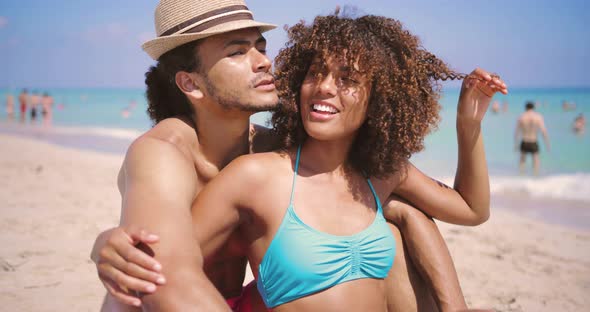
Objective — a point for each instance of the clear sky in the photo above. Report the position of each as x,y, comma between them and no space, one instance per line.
92,43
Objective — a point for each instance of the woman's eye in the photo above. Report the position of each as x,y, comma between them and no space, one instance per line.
312,73
349,80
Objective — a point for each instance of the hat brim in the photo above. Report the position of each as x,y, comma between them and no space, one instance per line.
158,46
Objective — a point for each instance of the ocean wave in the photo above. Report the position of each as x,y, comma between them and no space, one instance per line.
574,186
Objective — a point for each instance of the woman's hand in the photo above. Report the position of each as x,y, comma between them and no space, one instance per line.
123,267
476,94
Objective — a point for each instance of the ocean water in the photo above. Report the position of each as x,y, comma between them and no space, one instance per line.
93,118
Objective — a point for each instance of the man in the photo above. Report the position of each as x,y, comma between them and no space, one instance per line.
212,74
529,123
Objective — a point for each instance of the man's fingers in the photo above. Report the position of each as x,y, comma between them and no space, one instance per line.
139,272
135,255
125,281
143,236
120,295
130,268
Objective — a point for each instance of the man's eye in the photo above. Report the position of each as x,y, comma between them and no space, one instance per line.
237,53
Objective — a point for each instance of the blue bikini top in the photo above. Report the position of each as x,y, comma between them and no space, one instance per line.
301,261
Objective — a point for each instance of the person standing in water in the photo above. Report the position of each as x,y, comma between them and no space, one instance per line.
528,125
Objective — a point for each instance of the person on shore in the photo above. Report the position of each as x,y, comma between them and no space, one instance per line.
9,106
47,108
35,103
528,125
23,100
221,124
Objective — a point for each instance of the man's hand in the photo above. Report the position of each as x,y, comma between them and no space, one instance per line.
123,267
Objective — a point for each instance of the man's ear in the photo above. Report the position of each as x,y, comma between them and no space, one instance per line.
188,84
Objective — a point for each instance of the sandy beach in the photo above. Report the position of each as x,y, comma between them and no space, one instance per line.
55,200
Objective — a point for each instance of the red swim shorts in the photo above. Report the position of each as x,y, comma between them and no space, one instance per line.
243,303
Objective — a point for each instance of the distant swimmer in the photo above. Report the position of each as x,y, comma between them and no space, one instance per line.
495,107
529,123
505,107
567,106
579,125
125,113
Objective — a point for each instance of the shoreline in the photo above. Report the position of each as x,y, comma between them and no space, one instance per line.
55,200
571,212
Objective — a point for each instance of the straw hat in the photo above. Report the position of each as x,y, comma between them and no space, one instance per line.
181,21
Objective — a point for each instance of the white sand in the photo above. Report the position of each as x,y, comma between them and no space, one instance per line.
54,201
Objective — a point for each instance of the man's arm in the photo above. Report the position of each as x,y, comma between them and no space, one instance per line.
428,252
218,211
160,185
544,132
517,131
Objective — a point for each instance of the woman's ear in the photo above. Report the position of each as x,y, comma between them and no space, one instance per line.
188,84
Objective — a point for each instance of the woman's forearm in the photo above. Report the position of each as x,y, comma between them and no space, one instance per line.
471,178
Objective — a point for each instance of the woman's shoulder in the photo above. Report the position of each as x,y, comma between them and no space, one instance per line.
261,166
268,161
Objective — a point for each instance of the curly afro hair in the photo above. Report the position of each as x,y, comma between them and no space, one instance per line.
403,101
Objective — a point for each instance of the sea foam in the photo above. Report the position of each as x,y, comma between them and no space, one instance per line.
574,186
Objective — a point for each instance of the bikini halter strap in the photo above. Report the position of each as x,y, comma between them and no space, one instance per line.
295,174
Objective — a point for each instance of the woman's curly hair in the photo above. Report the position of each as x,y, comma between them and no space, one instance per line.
403,100
164,98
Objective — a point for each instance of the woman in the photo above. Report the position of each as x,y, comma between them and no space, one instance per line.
359,98
358,101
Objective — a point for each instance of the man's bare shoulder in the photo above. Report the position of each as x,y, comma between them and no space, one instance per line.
161,153
169,138
149,157
174,131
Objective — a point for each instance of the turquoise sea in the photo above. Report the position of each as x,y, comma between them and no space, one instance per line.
93,119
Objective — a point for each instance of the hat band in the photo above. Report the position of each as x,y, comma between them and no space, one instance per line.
210,19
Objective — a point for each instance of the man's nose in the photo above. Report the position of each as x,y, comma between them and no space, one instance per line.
261,62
